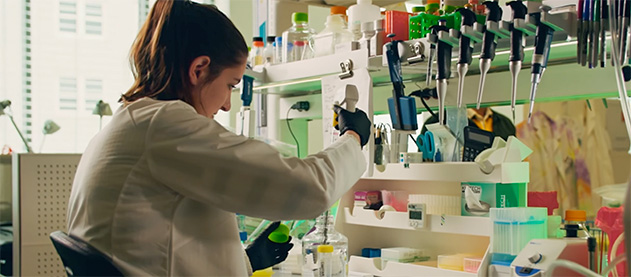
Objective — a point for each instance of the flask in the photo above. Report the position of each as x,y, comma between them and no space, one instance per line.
334,33
324,234
300,35
363,11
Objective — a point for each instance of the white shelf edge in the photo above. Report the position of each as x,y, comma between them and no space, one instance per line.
505,173
319,66
451,224
367,265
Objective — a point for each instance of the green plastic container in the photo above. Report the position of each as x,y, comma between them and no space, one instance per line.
491,195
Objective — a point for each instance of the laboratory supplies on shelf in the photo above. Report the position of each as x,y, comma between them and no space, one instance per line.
297,41
324,234
269,50
478,198
398,24
544,199
452,262
471,264
437,204
402,255
333,34
363,11
513,228
256,53
341,11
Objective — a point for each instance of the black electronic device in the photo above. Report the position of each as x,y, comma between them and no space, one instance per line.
475,141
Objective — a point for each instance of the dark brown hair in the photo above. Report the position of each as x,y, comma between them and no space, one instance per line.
174,34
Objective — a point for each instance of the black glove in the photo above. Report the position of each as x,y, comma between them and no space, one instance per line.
357,121
264,253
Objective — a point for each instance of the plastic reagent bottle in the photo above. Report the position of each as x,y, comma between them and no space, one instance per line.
324,234
325,260
300,31
577,217
364,11
333,34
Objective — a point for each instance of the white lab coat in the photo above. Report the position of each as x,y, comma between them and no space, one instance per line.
157,190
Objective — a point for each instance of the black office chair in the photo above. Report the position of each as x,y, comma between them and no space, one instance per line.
80,258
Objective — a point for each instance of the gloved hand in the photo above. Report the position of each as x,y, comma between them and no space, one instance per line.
357,121
264,253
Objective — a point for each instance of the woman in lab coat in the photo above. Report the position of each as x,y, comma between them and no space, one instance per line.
157,190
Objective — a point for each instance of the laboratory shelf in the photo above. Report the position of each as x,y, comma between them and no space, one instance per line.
368,266
451,224
505,173
564,79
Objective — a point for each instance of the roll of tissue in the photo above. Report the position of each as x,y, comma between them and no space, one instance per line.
382,211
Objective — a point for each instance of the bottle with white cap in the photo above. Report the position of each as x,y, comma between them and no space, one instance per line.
364,11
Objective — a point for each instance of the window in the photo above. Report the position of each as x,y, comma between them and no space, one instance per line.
68,16
93,93
68,94
93,19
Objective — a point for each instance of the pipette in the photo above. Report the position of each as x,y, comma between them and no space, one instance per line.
516,47
489,42
466,50
543,39
443,61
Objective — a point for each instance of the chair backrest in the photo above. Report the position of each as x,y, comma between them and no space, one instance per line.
80,258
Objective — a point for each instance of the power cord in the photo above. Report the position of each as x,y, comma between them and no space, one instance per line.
299,106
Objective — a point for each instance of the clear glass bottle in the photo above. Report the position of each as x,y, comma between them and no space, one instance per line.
268,52
324,234
299,32
256,53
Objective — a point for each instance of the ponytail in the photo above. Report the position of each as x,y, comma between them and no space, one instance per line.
174,34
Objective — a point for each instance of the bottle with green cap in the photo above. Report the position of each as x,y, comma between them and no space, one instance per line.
298,39
319,242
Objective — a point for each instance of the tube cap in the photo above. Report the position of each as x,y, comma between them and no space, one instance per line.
338,10
325,248
271,39
575,215
299,17
280,235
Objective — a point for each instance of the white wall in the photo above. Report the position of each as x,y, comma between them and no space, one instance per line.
56,54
